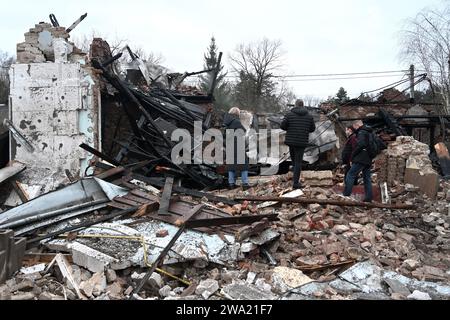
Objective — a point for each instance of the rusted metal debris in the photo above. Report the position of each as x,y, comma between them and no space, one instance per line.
343,203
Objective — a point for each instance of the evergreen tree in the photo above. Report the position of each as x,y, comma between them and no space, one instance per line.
341,96
222,91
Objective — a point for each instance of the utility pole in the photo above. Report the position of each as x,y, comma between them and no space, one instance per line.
411,80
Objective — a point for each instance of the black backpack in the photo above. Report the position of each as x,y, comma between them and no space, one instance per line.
375,145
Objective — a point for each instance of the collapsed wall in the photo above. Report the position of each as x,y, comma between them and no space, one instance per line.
54,106
407,161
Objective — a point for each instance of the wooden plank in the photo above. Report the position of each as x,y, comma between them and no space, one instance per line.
111,172
20,191
126,201
118,205
35,258
137,199
164,203
144,195
190,192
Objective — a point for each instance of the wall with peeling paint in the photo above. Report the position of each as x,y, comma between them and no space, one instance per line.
55,106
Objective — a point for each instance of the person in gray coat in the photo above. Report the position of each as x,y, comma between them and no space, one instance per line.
298,124
232,122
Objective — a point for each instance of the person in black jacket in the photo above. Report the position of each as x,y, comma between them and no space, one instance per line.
298,124
347,152
240,159
361,161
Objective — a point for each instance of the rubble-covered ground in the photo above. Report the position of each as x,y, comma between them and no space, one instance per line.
322,252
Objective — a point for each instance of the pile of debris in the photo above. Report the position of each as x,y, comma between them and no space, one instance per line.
407,161
312,252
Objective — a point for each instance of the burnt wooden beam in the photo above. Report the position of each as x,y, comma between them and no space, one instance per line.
194,193
99,154
391,122
216,222
343,203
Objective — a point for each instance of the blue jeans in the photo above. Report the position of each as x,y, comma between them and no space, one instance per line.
297,159
232,177
351,176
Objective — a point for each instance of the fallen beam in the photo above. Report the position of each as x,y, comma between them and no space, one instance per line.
14,168
325,267
99,154
330,202
194,193
198,223
110,173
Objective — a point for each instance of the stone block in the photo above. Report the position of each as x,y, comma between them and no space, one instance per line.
91,259
427,180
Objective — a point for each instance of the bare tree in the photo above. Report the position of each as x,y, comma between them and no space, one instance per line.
426,43
256,64
149,57
311,101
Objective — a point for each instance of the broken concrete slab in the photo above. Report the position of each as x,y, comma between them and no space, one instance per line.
206,288
49,296
165,291
285,278
306,292
418,295
156,280
366,277
33,269
95,286
397,287
111,275
264,237
23,296
245,291
91,259
426,178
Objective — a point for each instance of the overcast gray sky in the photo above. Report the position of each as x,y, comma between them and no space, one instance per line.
319,37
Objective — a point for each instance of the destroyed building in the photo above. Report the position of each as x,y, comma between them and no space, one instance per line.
94,208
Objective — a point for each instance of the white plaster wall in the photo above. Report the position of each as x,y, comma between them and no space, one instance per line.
54,106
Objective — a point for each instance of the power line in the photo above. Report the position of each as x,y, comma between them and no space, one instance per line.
340,74
327,74
335,78
342,78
